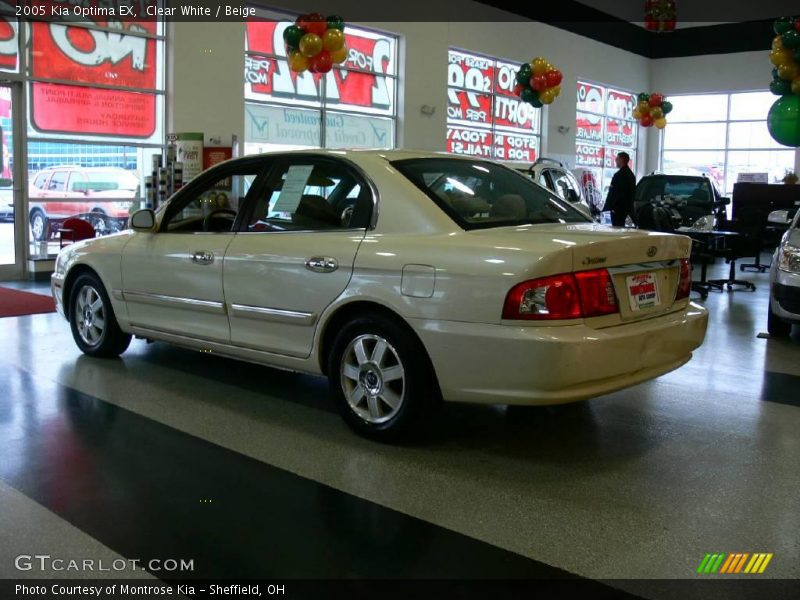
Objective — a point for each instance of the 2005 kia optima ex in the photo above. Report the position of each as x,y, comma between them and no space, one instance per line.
405,277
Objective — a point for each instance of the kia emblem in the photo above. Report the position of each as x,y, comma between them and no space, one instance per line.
652,251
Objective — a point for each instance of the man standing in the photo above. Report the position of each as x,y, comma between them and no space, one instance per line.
620,195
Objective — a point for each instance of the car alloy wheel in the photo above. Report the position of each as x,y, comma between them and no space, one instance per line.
37,226
90,315
373,378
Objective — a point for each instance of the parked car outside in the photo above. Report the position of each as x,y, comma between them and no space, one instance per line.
58,193
784,277
451,278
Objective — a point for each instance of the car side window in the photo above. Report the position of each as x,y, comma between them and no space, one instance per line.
211,205
77,183
58,182
41,181
564,187
311,196
542,180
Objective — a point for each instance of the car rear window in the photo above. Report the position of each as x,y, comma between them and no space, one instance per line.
480,194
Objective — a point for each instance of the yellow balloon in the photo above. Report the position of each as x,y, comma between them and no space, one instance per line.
796,86
780,57
539,66
298,62
310,44
657,113
556,90
340,55
660,123
777,43
644,107
547,96
788,71
637,114
550,67
333,40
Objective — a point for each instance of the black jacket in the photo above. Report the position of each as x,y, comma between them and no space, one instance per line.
620,194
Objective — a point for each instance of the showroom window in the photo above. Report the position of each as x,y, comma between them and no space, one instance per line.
352,106
484,116
604,127
723,136
95,117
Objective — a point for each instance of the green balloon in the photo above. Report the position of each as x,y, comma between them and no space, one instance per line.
644,97
791,39
780,87
783,120
782,25
524,74
536,103
666,106
529,95
797,55
336,22
292,35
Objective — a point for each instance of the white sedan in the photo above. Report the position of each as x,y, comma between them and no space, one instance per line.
405,277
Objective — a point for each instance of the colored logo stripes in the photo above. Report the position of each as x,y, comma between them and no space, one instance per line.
735,563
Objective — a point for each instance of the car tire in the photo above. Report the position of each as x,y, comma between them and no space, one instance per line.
38,225
776,326
92,321
382,380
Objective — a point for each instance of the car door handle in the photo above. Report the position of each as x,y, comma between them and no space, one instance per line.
321,264
203,258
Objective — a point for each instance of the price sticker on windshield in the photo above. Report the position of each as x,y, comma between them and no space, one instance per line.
643,291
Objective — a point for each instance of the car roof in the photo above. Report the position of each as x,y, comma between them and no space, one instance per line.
389,155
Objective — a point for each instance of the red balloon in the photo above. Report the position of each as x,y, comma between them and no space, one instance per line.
647,120
797,25
656,99
539,82
553,78
321,63
312,23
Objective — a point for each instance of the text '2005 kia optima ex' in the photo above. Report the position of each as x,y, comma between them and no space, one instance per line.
405,277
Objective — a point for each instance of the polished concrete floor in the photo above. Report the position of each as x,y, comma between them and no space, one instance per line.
153,453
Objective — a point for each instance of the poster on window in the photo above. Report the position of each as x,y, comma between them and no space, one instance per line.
621,104
591,98
9,44
470,107
359,83
620,133
471,142
83,110
589,128
588,155
111,58
610,158
515,147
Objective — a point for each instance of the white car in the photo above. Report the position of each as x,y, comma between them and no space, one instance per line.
784,299
405,277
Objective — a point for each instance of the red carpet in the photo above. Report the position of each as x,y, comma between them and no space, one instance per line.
14,303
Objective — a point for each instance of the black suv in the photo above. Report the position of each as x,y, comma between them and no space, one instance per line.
692,196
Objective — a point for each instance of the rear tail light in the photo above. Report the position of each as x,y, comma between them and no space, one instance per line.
685,282
568,296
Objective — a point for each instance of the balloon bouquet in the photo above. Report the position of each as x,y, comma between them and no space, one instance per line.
315,43
783,120
652,109
538,82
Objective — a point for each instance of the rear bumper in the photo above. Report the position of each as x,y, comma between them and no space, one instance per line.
503,364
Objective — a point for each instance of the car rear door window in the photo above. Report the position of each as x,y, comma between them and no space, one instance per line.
311,196
58,182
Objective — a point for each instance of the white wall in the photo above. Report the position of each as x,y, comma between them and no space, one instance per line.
739,72
207,62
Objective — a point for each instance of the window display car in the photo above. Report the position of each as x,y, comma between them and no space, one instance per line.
784,277
450,278
58,193
553,175
696,199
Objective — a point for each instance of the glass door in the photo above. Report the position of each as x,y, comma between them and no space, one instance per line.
12,222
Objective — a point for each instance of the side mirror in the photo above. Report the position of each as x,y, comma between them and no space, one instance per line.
143,220
724,201
779,217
